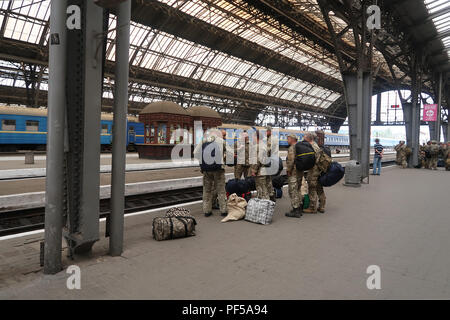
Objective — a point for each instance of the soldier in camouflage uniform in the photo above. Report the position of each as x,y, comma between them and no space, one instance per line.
434,152
214,181
242,166
422,157
401,154
315,189
426,150
258,170
447,156
294,179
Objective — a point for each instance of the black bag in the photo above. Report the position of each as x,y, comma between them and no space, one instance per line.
280,166
251,183
326,150
278,182
212,147
278,193
334,174
305,157
238,186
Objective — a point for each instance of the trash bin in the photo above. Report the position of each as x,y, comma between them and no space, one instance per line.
29,157
352,174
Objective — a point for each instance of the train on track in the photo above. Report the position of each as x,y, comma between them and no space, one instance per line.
26,129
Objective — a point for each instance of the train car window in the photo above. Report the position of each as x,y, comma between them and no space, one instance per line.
9,125
32,125
104,128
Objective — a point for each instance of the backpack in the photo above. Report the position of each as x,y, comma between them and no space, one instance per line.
278,193
305,157
280,166
334,174
251,183
278,182
326,150
238,186
408,151
211,152
434,150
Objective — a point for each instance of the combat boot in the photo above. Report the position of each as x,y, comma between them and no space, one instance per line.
310,210
224,214
321,209
294,213
208,214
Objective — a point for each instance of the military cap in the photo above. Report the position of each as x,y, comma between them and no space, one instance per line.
269,128
293,136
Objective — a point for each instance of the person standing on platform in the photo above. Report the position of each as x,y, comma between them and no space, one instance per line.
434,153
257,168
315,189
378,155
447,157
294,179
211,154
242,160
401,154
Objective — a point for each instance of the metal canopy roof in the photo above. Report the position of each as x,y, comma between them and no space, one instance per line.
238,56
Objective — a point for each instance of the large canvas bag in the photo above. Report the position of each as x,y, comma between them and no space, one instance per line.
260,211
236,208
177,223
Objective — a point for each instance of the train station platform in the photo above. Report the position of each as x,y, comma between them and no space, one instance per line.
398,222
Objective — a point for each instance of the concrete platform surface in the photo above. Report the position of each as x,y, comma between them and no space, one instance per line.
399,222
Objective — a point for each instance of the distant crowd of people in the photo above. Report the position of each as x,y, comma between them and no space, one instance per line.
428,156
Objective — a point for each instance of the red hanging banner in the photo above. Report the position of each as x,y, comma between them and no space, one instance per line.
430,112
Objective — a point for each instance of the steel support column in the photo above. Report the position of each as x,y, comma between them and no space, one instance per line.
438,117
378,114
411,114
359,99
54,196
120,129
84,99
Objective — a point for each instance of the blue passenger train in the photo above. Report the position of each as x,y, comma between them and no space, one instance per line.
26,128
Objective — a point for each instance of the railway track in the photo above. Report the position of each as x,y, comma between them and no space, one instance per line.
24,220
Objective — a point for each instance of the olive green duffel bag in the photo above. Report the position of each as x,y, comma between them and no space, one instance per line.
177,223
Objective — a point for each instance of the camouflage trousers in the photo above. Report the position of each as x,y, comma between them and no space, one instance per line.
294,186
214,183
315,189
432,162
261,187
240,170
402,162
269,186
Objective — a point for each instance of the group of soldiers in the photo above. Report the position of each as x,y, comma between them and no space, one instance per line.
295,177
255,164
428,154
244,165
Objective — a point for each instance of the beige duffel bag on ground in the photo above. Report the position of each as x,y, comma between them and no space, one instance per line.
236,208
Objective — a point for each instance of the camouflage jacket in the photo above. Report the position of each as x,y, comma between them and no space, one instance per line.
323,161
240,147
290,160
257,159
